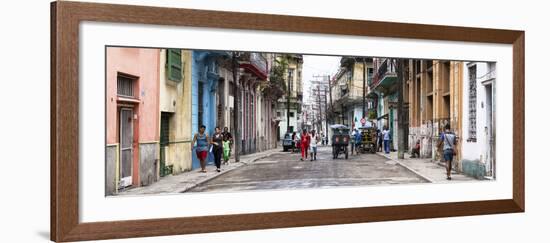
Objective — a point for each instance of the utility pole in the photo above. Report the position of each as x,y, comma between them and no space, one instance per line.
400,119
236,88
326,114
319,103
364,85
288,103
330,91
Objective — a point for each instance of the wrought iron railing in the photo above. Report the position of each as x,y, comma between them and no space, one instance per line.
387,67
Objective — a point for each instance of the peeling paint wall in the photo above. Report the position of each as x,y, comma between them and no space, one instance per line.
175,98
148,163
111,172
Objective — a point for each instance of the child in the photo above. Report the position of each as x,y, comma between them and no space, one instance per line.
226,150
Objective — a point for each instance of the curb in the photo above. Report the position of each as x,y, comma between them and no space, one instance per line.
408,168
242,163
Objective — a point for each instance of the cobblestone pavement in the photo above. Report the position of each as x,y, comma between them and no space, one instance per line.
286,171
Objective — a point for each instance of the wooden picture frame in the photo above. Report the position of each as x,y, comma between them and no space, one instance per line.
65,19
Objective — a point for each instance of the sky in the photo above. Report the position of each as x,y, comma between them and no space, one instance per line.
317,65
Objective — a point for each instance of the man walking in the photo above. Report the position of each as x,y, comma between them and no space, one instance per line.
448,139
357,140
386,136
352,143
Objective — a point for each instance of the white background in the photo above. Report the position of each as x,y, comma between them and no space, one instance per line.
24,128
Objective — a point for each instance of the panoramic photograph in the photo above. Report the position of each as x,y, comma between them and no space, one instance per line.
191,121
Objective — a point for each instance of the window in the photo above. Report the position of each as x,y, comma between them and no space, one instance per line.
370,72
472,112
291,114
174,65
291,78
201,104
278,114
125,85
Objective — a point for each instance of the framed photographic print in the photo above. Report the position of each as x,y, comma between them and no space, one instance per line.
176,121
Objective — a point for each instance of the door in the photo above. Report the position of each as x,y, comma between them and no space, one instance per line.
489,130
126,146
164,142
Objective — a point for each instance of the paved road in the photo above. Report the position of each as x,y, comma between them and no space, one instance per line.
286,171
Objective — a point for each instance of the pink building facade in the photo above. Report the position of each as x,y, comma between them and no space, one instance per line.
132,117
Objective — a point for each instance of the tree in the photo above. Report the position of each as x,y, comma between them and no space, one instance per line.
276,87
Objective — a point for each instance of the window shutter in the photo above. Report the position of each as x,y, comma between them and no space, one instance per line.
174,67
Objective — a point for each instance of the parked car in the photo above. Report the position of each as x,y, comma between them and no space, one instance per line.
288,143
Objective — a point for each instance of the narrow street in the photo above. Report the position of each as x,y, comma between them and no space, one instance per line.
286,171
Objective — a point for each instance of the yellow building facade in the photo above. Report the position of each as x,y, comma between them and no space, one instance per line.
175,112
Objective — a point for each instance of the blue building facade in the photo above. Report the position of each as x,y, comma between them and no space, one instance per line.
205,80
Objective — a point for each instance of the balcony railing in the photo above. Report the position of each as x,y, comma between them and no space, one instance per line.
255,63
386,68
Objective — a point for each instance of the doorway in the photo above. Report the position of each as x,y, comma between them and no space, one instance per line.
126,140
164,142
489,130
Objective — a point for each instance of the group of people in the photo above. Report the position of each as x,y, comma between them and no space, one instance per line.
305,141
219,145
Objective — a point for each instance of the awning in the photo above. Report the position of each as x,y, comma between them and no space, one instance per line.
385,116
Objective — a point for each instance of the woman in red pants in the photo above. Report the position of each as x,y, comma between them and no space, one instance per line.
304,144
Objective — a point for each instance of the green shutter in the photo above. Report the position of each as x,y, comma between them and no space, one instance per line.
174,67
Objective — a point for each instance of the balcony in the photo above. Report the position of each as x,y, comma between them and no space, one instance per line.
385,78
255,64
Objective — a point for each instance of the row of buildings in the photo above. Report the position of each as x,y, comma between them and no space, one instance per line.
435,93
156,99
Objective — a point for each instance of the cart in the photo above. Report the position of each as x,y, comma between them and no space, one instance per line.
340,140
369,138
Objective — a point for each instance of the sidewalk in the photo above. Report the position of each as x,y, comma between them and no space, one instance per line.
424,167
187,180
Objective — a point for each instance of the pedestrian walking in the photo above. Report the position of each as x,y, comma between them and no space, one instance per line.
379,140
448,140
352,144
357,140
227,136
201,148
217,150
226,150
295,141
387,138
314,141
305,139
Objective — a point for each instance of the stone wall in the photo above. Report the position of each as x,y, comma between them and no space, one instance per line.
148,163
110,169
473,168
